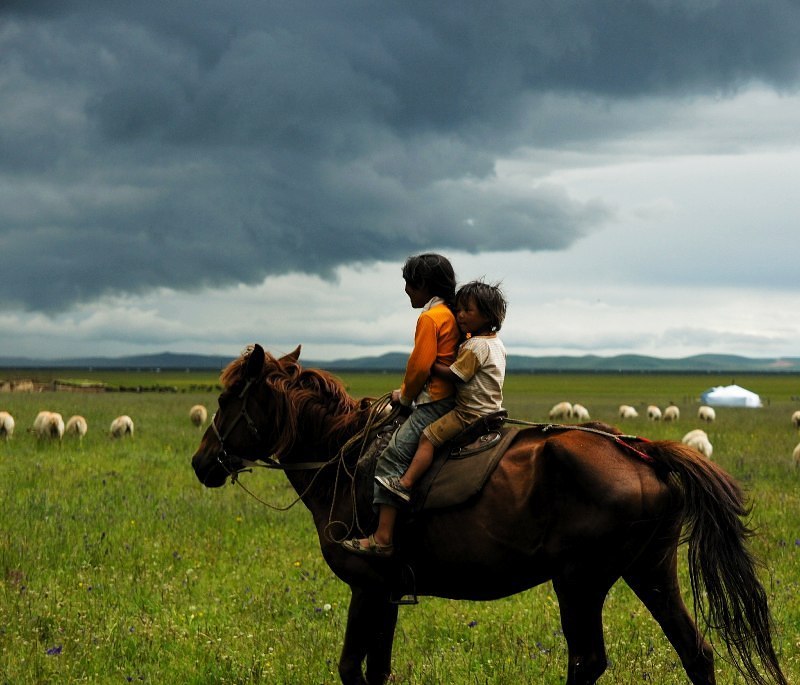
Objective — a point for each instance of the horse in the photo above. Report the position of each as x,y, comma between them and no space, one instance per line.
580,506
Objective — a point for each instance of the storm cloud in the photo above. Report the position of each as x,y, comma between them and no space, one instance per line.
194,144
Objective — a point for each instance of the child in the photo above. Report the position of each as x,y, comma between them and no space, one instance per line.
430,286
479,372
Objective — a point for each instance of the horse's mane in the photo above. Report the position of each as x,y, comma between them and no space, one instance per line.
309,400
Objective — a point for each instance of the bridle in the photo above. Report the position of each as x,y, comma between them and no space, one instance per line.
246,464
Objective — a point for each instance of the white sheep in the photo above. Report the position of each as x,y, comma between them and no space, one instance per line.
77,426
706,413
653,413
580,412
198,415
702,445
627,412
6,425
49,424
121,426
697,432
672,413
796,419
796,454
698,439
562,410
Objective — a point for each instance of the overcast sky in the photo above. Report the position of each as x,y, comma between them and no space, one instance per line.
195,175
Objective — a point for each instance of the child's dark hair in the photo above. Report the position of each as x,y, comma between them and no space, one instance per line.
433,272
488,298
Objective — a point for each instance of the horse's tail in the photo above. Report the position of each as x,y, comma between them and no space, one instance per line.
720,562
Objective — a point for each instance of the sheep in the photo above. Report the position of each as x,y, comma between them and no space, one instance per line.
796,419
698,439
6,425
796,454
77,426
562,410
672,413
706,413
40,421
697,432
653,413
198,415
580,412
121,426
627,412
49,424
702,445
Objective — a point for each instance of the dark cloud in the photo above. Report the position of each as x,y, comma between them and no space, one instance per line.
185,144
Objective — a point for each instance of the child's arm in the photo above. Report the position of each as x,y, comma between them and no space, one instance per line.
443,371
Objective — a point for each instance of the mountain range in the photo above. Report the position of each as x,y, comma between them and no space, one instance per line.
395,361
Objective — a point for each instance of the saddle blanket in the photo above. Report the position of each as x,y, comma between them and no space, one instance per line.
456,477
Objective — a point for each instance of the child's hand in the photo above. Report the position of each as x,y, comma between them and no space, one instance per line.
395,396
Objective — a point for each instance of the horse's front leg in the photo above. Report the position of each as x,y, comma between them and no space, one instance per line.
371,622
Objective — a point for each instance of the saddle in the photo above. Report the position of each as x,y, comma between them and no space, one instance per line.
460,468
478,436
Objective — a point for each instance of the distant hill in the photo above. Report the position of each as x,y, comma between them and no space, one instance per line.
395,362
630,363
164,360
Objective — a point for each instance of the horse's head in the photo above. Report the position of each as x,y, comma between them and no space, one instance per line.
239,430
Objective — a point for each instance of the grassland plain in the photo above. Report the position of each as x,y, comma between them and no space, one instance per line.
117,566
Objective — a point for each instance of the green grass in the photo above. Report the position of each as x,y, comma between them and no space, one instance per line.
117,566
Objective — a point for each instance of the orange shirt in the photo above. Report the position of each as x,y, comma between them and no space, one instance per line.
435,340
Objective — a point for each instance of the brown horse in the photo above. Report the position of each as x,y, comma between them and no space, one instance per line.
581,508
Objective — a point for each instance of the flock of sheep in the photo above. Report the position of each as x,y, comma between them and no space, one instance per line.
49,425
697,438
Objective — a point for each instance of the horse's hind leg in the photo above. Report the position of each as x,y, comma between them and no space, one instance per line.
580,602
654,579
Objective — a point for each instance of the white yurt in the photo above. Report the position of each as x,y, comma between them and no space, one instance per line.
730,396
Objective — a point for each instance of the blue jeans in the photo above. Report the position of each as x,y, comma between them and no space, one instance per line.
394,460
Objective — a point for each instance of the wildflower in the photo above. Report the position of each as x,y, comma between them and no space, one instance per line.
54,651
472,624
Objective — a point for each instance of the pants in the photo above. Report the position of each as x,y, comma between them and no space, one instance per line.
448,426
394,460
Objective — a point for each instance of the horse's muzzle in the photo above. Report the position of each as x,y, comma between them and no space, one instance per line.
208,470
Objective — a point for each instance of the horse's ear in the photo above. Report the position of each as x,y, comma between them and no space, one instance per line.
255,362
293,356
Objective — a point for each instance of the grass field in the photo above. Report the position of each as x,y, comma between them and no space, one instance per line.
117,566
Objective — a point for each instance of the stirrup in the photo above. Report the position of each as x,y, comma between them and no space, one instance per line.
405,598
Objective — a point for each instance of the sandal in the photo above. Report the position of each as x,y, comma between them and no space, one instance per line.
373,549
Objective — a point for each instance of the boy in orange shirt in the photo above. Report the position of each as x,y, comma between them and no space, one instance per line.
430,286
